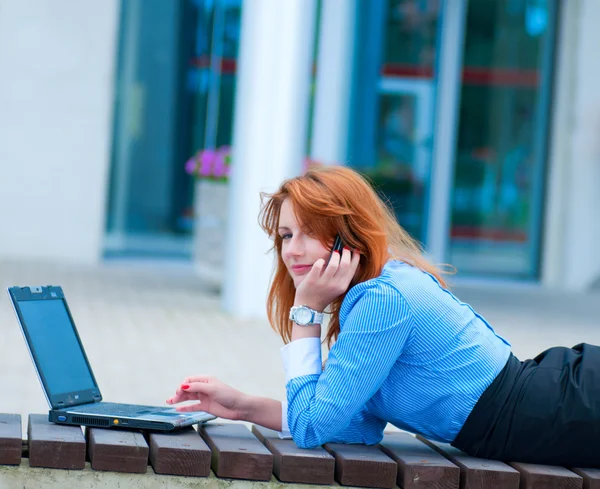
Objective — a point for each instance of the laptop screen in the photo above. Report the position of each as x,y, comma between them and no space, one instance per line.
55,345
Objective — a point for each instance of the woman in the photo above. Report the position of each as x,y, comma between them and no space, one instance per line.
403,349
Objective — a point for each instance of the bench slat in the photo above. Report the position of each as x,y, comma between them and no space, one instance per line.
54,446
117,450
182,452
535,476
591,477
10,439
237,453
362,465
418,464
293,464
477,473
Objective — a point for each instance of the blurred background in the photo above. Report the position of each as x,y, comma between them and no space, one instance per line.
135,136
478,117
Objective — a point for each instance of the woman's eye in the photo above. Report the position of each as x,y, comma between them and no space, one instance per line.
286,236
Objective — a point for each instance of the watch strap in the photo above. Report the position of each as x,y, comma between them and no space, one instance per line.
317,317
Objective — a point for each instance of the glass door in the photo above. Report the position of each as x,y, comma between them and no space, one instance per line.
498,181
406,122
146,186
394,101
454,135
174,96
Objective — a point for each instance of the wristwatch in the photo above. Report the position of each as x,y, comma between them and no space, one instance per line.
305,316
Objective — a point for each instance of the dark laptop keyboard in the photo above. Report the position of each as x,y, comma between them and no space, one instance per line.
115,409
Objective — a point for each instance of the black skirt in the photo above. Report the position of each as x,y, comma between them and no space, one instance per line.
543,411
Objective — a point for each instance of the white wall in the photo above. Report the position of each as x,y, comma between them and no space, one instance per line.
572,253
57,62
335,64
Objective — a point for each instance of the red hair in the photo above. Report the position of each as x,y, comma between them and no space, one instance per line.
330,200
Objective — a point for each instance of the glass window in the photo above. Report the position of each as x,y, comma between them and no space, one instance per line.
393,103
411,35
496,207
175,90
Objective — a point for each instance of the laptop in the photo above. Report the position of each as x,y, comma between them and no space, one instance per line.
66,374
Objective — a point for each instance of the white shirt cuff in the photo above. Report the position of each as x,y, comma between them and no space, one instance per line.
285,429
302,357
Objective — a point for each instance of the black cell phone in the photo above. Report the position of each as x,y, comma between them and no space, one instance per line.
338,245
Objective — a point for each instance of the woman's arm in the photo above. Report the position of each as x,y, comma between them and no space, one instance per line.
323,405
222,400
265,412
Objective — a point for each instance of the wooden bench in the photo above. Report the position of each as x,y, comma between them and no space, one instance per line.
218,452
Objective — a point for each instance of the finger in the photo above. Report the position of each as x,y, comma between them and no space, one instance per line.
189,381
199,378
181,397
189,407
180,390
317,268
349,265
333,265
184,393
175,400
198,398
346,257
199,388
355,261
342,264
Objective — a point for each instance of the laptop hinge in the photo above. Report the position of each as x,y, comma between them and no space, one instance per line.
80,402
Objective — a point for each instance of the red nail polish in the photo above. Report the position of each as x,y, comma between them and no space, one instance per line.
185,387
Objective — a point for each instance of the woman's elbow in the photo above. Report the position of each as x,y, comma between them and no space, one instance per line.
307,439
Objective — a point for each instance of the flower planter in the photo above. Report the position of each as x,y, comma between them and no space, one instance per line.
210,228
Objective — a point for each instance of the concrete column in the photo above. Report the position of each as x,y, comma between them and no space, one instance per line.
571,259
334,81
445,129
56,98
269,139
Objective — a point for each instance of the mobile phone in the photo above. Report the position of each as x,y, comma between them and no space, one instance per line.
338,245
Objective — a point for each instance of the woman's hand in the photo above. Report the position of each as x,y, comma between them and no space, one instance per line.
325,283
215,398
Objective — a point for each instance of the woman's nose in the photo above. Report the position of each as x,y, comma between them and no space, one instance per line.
294,247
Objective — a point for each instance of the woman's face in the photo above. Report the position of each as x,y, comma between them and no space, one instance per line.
299,251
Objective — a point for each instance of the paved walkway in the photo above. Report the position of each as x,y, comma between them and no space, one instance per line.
144,328
147,326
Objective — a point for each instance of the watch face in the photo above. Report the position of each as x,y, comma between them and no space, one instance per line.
303,315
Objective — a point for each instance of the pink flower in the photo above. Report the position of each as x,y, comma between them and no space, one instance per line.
190,165
220,165
215,164
207,158
210,163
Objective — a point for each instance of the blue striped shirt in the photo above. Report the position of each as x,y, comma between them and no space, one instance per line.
408,353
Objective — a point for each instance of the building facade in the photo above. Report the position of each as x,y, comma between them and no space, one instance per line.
475,119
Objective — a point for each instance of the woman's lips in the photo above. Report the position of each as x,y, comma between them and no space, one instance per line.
301,269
